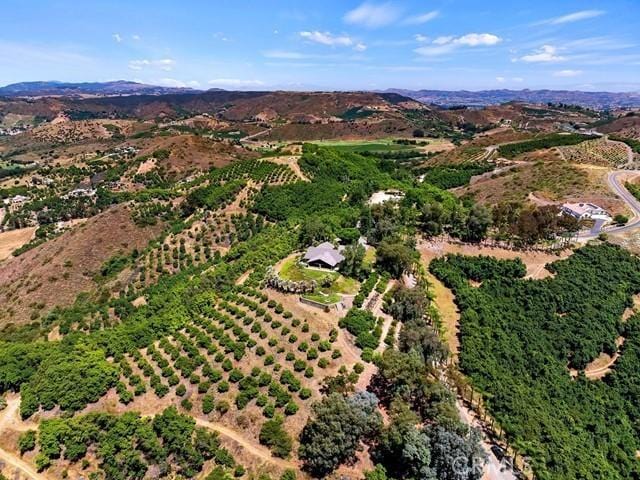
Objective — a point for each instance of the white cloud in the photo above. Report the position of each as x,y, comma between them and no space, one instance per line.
117,37
360,47
135,37
373,15
573,17
327,38
567,73
546,53
172,82
478,39
420,19
165,64
510,80
235,82
420,38
447,44
443,40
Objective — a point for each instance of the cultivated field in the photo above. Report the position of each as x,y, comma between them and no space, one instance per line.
597,152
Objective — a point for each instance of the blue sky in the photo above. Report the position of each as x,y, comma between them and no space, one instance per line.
328,44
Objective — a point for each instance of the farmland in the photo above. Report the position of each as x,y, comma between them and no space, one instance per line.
598,152
160,322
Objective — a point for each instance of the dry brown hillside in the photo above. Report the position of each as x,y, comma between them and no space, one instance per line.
623,126
188,153
54,273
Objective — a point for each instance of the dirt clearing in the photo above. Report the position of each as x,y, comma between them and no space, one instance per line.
13,239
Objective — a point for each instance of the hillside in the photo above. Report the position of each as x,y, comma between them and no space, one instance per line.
54,273
627,126
66,89
598,100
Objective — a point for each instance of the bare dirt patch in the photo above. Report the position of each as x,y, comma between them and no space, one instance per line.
13,239
292,162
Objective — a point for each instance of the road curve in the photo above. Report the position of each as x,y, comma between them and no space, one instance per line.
614,182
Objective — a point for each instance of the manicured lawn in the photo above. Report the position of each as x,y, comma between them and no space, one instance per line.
322,298
340,285
346,285
292,270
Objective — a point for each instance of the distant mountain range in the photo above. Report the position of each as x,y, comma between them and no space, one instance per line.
119,87
443,98
483,98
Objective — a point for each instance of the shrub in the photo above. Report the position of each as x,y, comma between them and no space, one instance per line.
208,404
304,393
269,411
274,436
291,408
288,475
186,404
222,407
223,386
27,441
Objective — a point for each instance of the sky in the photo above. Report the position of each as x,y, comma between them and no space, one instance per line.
326,44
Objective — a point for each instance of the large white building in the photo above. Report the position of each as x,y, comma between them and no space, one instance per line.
585,211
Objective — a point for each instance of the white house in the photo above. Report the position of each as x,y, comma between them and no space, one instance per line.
15,203
585,211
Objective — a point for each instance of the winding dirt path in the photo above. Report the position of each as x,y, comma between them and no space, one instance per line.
251,447
9,418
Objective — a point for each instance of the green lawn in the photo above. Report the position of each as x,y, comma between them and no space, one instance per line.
292,270
320,297
340,285
382,145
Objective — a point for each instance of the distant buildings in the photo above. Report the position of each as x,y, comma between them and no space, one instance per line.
13,204
324,255
384,196
585,211
82,190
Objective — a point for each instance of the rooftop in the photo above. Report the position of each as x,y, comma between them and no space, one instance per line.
325,252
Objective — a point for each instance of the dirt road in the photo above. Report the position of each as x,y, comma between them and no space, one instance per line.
8,418
251,447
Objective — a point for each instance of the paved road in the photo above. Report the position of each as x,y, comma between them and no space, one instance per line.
617,185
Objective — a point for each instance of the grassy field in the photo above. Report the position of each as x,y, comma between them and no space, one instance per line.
382,145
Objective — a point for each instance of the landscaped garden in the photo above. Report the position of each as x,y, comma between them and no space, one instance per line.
331,285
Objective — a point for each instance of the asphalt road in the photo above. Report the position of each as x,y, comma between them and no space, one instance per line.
613,179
